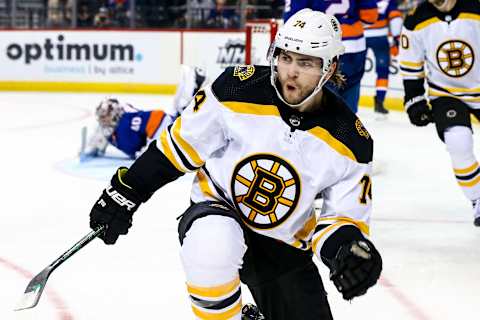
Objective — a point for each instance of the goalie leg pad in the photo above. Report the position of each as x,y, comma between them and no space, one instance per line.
449,112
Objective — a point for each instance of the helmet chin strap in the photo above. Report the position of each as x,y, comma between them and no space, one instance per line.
299,105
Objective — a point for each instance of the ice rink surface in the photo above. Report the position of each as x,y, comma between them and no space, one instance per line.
421,224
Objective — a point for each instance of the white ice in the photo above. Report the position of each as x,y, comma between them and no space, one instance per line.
422,224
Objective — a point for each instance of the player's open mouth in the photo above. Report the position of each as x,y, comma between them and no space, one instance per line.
290,87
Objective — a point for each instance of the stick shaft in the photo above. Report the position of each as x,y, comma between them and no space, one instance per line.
76,247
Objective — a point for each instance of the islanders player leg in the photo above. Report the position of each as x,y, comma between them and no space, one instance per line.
352,66
381,50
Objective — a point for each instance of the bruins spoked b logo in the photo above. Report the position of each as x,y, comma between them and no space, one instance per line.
266,190
455,58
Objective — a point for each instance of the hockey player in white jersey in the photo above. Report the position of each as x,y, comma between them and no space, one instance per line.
264,142
130,129
439,46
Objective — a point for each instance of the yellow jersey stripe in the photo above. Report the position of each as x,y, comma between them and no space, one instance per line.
470,169
204,186
216,291
252,108
416,75
168,152
307,228
463,90
360,224
411,64
333,142
439,94
426,23
324,231
302,244
225,315
470,183
190,151
469,16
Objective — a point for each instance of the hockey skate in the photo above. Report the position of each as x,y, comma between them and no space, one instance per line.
251,312
379,108
476,212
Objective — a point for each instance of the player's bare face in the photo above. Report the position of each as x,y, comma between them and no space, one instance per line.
443,5
298,75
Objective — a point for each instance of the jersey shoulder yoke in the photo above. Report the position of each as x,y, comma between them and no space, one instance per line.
244,83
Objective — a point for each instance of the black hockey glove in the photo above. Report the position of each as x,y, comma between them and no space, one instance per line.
251,312
419,113
115,208
355,268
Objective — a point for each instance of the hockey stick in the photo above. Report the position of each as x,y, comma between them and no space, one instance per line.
35,287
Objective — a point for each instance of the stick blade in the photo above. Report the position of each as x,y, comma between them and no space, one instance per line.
34,291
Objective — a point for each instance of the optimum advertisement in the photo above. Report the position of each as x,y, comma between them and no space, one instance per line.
86,56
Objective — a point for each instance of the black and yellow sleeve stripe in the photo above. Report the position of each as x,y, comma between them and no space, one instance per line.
327,226
178,150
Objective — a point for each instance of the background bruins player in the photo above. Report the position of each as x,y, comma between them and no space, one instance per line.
439,43
264,141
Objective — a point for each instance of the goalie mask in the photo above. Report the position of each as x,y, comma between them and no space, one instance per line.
310,33
108,113
443,5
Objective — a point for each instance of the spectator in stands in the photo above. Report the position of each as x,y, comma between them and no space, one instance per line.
102,18
59,13
84,15
119,10
223,16
177,13
265,9
198,12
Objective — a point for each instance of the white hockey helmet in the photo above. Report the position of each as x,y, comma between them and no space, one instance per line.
311,33
443,5
108,114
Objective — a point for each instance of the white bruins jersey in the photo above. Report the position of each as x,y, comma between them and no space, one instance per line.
269,162
444,48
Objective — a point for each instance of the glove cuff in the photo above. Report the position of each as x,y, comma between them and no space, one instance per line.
345,234
413,101
123,189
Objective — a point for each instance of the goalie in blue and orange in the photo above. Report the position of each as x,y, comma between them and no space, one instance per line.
129,129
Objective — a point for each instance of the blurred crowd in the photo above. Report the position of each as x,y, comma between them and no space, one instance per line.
227,14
